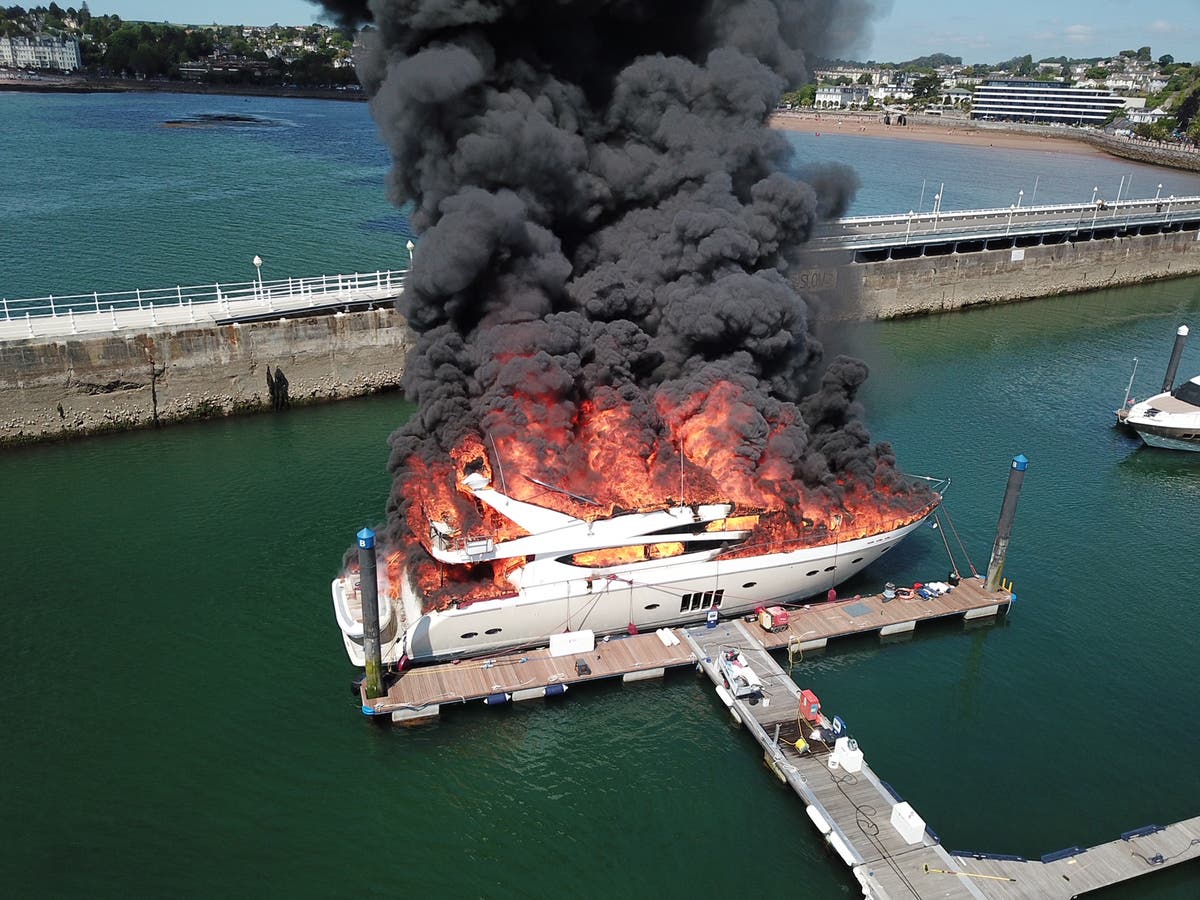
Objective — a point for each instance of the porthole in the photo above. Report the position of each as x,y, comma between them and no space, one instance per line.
750,584
493,631
652,606
469,635
810,574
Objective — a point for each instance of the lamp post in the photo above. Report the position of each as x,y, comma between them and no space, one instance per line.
1170,200
1011,210
1020,196
937,209
908,230
411,247
1158,192
258,268
1095,191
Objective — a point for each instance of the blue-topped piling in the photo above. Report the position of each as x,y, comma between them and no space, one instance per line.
369,590
1008,512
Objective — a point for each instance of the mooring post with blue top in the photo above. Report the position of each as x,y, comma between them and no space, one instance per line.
369,588
1008,512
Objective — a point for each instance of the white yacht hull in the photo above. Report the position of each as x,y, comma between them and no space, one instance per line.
648,595
1170,420
1164,439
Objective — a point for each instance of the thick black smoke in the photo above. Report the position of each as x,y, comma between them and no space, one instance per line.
603,214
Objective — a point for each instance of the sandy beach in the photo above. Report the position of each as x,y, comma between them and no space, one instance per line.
949,132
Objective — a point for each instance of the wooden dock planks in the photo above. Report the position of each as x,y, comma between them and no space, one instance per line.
815,622
476,679
1095,868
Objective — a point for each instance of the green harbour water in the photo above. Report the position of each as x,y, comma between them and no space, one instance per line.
176,712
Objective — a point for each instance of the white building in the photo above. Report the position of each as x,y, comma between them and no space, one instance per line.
40,52
1021,100
884,93
841,96
1145,116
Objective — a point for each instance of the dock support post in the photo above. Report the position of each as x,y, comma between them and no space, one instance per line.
370,610
1008,512
1176,354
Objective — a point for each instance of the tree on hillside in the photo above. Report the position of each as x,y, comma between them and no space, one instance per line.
1096,73
1166,59
1143,54
926,87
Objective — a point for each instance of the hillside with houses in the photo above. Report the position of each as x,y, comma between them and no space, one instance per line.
42,40
1130,92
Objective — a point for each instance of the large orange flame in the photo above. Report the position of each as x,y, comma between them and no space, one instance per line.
612,458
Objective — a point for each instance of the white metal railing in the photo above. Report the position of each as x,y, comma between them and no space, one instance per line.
52,316
867,231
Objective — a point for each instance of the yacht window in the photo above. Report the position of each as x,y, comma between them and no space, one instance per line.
717,597
810,574
493,631
749,584
830,568
469,635
652,606
1188,392
855,562
685,603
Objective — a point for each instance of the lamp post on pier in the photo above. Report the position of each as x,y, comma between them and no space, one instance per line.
1095,191
258,268
1011,210
1020,197
1158,192
908,230
937,209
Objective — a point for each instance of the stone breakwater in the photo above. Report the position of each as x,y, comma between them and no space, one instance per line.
53,389
923,284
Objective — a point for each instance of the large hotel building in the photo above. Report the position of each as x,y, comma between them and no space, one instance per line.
1019,100
40,52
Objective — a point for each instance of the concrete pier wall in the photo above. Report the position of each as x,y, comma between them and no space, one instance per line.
62,388
933,283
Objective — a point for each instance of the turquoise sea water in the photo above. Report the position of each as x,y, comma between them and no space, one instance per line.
108,197
176,713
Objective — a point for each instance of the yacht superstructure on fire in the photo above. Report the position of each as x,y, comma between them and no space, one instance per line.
641,569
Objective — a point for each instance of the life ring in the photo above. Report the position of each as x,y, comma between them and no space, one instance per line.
905,593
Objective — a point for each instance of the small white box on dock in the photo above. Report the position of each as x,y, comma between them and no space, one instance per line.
846,752
907,823
572,642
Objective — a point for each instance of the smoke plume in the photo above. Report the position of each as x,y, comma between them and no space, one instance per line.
604,226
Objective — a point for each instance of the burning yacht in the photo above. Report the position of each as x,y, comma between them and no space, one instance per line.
482,592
